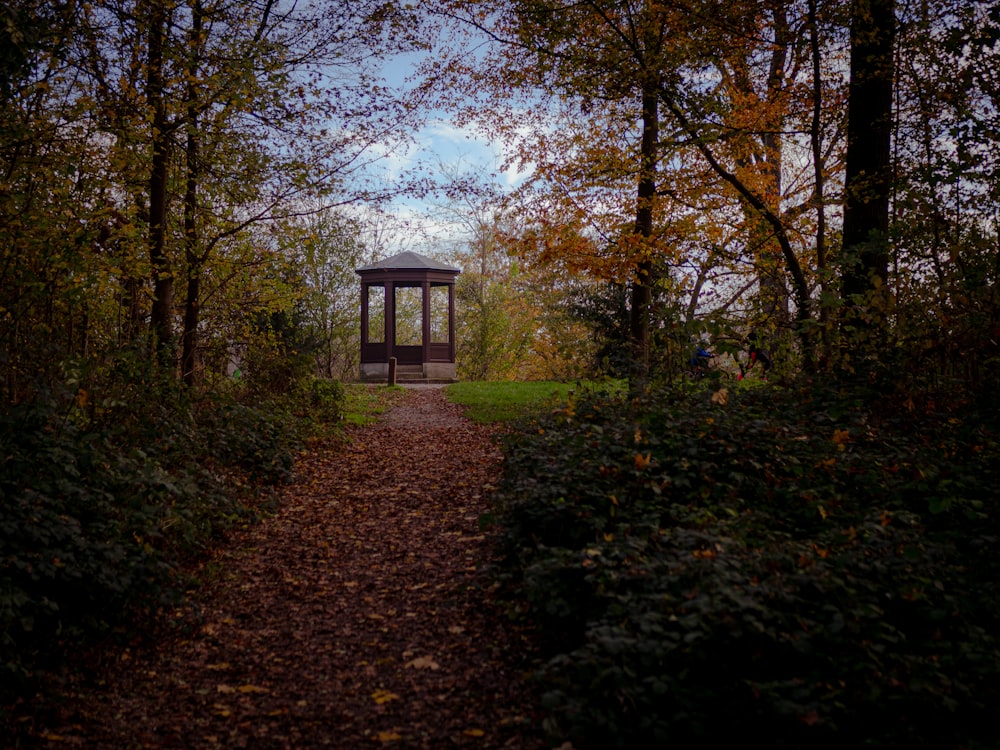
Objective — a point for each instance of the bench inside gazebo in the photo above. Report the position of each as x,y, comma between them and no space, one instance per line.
408,319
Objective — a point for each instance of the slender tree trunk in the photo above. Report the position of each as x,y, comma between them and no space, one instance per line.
163,281
192,300
773,290
816,144
642,283
865,269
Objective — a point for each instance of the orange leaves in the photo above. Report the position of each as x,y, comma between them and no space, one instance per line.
841,438
707,553
245,689
381,696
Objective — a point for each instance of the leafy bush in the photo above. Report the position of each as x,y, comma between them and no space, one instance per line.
784,562
102,509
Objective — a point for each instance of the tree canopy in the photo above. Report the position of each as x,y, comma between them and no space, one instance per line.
767,150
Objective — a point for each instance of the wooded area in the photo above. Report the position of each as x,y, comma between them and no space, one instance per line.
186,188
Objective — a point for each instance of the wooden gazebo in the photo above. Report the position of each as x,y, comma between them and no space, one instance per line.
408,318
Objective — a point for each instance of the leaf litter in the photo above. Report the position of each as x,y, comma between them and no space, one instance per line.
358,615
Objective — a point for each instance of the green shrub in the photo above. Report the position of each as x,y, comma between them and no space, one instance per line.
101,513
789,564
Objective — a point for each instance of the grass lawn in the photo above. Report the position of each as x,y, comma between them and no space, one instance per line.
509,400
363,402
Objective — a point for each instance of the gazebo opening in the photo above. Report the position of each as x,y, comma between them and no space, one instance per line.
408,315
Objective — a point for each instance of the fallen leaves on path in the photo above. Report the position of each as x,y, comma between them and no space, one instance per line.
357,616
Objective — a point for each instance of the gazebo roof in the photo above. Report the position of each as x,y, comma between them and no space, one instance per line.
409,261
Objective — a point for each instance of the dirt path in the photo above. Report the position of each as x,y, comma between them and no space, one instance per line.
358,616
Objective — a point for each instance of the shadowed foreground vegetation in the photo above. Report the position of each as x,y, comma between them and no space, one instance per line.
792,563
111,496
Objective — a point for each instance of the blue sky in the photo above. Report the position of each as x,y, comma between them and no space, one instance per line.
441,149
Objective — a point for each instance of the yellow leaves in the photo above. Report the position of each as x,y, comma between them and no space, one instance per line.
841,438
251,689
389,736
384,696
721,397
474,733
591,553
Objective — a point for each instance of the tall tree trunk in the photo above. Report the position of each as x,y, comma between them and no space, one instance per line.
642,283
193,259
192,299
773,295
865,269
816,145
163,281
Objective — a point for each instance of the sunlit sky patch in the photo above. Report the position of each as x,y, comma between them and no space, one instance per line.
440,151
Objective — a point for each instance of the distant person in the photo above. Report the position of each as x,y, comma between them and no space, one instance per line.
754,355
699,362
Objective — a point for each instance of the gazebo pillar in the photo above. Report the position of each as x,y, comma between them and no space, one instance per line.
428,359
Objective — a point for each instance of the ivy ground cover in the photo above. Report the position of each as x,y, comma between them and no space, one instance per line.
793,564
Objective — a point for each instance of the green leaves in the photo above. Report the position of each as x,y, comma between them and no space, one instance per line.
96,523
782,562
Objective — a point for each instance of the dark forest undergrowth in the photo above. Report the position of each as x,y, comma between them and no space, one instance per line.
801,563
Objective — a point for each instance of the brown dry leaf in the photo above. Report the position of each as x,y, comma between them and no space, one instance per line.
384,696
252,689
423,662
